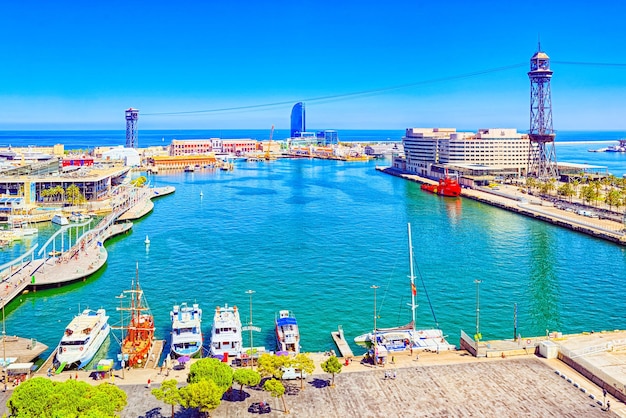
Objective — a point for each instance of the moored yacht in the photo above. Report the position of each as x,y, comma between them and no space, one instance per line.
226,332
82,338
186,330
287,332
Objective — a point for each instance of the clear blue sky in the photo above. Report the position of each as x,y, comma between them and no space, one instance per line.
79,65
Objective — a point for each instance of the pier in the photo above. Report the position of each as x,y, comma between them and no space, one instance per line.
509,198
84,257
341,343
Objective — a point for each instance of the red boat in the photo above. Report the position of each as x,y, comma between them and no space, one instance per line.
446,187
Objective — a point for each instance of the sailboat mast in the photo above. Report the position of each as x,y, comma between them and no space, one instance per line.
413,291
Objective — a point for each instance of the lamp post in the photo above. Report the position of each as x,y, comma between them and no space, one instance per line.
478,336
375,339
250,293
4,344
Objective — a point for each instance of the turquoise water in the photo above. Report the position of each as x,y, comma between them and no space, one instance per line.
313,236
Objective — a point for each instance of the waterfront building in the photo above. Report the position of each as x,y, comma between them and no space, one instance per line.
427,151
180,162
128,156
76,161
298,120
212,145
95,183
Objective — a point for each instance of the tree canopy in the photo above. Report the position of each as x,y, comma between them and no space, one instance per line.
169,393
205,395
211,369
41,397
246,377
332,366
305,364
271,365
277,390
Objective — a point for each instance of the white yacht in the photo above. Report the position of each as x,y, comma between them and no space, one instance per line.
226,332
82,338
186,330
60,220
287,333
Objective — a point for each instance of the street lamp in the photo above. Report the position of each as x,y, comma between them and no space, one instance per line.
4,344
478,336
250,293
375,339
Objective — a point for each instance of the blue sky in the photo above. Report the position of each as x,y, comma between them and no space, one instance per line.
79,65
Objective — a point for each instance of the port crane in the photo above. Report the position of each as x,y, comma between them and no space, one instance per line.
269,146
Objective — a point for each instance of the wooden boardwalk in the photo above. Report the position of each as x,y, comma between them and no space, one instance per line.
342,344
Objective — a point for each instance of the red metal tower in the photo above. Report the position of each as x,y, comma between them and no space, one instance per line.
132,116
542,154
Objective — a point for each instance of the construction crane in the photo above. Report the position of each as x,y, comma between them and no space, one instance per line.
269,146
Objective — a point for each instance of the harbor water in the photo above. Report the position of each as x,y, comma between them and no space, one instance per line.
313,236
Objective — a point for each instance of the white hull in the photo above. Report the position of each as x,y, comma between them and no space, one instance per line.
78,348
400,340
287,333
226,333
60,220
186,330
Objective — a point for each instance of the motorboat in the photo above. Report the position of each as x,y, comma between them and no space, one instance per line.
60,220
186,330
226,337
287,332
82,338
147,240
79,217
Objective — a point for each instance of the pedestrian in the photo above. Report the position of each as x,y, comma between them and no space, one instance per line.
608,405
148,383
394,374
393,360
76,376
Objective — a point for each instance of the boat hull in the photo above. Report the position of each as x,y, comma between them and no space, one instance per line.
287,333
76,355
226,339
186,330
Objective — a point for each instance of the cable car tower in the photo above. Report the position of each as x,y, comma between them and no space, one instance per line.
132,116
542,154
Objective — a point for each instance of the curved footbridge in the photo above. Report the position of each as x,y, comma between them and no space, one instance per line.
85,256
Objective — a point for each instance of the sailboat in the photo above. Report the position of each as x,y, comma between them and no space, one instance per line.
406,337
139,330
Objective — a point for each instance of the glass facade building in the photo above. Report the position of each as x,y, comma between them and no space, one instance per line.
298,124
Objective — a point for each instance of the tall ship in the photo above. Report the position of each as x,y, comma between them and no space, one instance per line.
226,332
287,332
186,330
81,340
447,186
138,326
405,337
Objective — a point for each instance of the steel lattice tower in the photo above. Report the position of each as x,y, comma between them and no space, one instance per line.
542,154
132,116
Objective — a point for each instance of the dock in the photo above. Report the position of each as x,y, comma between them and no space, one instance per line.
341,343
155,354
21,350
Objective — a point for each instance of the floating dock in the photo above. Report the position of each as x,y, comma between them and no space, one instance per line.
342,344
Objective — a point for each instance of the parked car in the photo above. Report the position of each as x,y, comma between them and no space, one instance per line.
259,408
291,373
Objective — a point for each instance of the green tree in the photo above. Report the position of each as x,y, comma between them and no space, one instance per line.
74,194
271,365
211,369
277,390
205,395
613,198
566,190
169,393
305,364
139,181
40,397
332,366
246,377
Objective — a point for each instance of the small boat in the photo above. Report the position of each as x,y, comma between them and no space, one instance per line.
186,330
147,240
287,332
226,337
446,187
138,328
82,338
60,220
79,217
201,194
405,337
